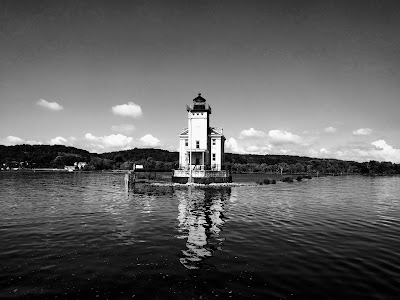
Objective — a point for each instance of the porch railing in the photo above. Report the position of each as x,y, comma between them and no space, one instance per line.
200,173
212,167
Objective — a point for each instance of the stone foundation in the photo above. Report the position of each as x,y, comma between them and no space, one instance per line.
202,180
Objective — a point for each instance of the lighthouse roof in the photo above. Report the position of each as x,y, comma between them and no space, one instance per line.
199,98
199,105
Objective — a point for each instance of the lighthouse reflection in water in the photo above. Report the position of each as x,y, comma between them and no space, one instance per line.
201,219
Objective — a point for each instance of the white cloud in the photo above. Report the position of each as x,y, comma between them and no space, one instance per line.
281,137
353,154
258,142
324,151
90,136
252,141
378,150
149,141
251,133
254,146
123,128
34,143
263,149
231,145
115,142
128,110
58,141
330,129
49,105
386,152
110,141
13,140
362,131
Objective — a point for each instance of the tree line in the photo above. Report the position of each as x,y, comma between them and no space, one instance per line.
58,156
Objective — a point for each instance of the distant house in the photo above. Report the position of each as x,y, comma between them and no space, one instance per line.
70,168
80,165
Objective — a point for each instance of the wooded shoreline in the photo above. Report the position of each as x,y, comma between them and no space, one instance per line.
58,156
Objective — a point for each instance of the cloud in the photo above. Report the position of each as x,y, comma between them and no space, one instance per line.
49,105
231,145
34,143
123,128
324,151
128,110
115,142
252,141
149,141
254,145
330,129
362,131
251,133
378,150
281,137
386,152
112,141
90,137
264,149
58,141
13,140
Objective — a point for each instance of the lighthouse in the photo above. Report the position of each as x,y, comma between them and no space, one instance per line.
201,147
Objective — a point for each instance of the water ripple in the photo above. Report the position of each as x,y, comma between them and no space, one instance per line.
86,236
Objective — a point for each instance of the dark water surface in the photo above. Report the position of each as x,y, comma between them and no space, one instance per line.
83,235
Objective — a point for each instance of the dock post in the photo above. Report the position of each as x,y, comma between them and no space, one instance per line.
126,179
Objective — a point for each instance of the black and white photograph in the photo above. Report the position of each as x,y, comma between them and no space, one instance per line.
200,149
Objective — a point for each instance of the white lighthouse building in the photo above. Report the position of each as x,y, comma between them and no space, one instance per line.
201,148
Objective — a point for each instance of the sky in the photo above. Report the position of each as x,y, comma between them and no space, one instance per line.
309,78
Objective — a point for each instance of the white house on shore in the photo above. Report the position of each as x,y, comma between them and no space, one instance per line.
201,147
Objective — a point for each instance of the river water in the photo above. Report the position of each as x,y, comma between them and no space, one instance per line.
84,235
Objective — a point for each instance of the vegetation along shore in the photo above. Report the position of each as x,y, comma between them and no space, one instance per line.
158,160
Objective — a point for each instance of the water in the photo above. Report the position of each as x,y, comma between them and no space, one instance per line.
83,235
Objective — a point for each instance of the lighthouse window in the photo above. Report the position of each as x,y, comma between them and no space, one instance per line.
213,156
197,144
186,143
213,142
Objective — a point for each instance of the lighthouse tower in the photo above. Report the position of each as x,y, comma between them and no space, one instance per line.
201,147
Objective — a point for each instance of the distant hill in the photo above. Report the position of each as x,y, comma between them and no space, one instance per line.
143,153
269,159
57,156
41,156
